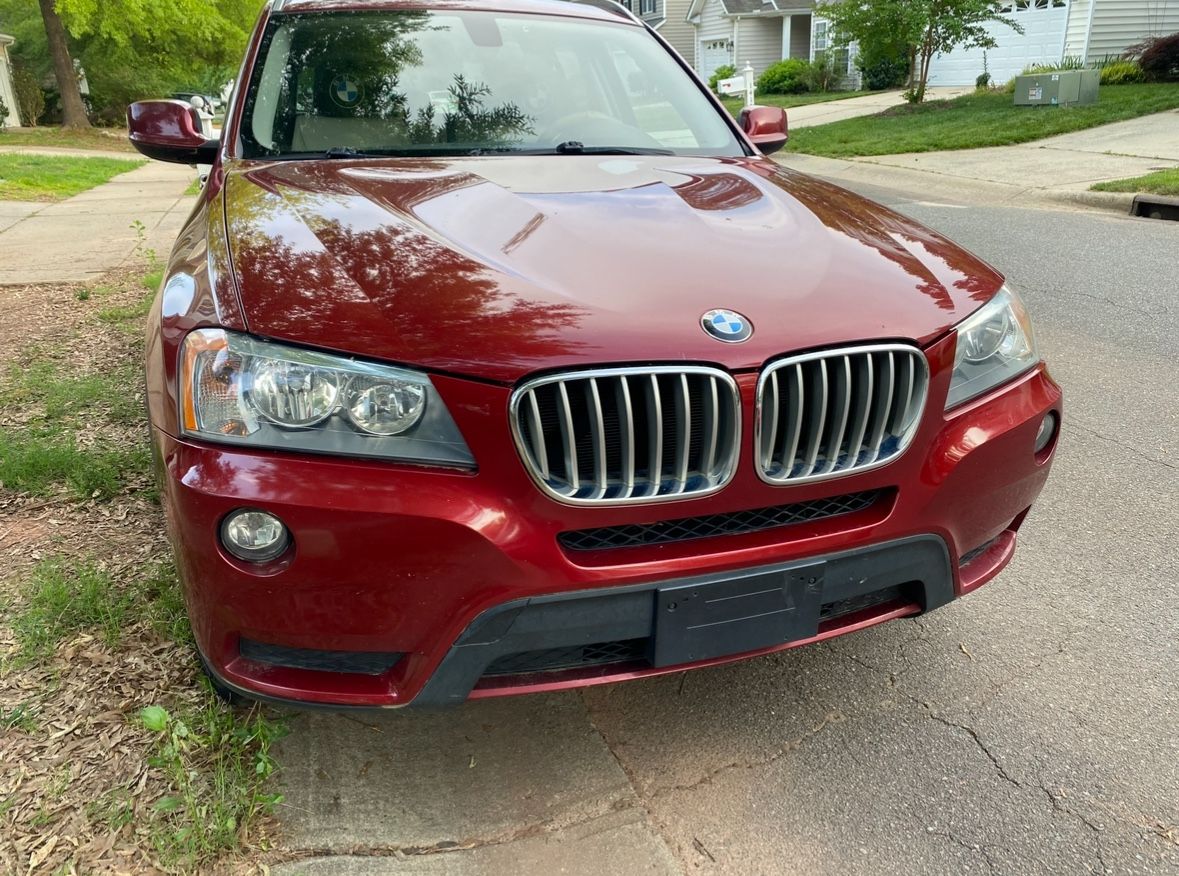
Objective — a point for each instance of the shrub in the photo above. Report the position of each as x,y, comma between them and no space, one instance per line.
823,73
1158,57
1071,62
1121,72
724,71
883,71
29,96
3,113
790,76
982,80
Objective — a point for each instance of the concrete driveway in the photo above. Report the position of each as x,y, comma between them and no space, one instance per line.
1028,729
854,107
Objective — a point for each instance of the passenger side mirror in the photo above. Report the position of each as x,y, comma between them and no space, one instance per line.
766,126
170,130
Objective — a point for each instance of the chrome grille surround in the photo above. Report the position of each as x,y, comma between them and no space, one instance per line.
594,437
870,403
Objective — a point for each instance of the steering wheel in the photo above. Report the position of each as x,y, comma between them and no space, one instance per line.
595,128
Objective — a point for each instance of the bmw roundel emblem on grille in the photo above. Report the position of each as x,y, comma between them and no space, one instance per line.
727,326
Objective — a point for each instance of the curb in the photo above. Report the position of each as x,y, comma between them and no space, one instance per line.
1116,202
921,184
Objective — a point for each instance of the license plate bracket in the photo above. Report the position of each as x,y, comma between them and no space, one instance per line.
717,618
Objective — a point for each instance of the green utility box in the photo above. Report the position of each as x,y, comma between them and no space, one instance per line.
1066,88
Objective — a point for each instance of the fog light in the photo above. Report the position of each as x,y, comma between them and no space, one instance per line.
1047,431
254,536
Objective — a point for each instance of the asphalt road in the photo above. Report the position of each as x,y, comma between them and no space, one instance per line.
1030,728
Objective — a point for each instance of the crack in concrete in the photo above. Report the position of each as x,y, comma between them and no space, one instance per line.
971,847
660,828
1072,423
830,719
463,845
973,734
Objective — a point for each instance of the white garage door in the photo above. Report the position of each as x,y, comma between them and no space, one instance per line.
1042,42
713,54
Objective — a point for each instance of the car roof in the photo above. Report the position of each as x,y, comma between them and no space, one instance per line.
603,10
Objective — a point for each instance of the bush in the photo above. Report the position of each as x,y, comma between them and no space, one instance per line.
823,73
3,113
1121,72
1158,57
29,96
724,71
791,76
881,72
1069,63
982,80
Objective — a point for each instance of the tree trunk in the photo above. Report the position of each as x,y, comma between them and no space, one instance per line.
926,58
72,108
912,83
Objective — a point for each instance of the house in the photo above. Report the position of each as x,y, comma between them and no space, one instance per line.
670,18
1090,30
760,33
7,92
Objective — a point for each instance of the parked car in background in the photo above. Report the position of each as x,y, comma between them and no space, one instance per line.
480,370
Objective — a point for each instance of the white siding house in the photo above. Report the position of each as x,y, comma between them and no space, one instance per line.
7,93
1091,30
759,33
670,18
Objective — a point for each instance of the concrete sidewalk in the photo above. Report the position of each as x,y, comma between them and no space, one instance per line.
1055,171
89,234
854,107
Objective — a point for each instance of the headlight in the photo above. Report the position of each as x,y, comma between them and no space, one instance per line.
994,345
240,390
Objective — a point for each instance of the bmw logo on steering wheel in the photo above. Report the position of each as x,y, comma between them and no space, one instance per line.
346,92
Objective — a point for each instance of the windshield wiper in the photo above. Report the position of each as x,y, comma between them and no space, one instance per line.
346,152
576,147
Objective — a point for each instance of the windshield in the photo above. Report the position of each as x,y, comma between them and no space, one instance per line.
460,83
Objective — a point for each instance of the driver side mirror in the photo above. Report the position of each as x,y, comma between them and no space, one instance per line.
170,130
766,126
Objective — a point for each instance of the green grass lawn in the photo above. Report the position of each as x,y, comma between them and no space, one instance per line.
734,104
54,177
974,120
1161,182
106,139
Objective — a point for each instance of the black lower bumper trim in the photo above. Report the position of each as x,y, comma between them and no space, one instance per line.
357,662
919,565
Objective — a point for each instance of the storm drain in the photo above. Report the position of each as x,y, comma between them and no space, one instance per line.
1155,207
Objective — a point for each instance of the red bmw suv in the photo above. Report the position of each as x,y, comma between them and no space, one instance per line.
496,357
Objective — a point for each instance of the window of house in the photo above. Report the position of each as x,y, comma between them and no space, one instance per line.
646,7
821,39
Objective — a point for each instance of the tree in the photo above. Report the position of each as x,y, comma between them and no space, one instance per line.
134,49
72,108
920,29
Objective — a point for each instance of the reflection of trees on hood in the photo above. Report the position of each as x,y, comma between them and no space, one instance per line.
468,121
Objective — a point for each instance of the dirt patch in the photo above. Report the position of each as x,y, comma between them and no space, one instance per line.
78,790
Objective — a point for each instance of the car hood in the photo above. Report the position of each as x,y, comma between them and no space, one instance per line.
499,266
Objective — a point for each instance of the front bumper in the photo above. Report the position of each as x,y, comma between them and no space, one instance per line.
442,574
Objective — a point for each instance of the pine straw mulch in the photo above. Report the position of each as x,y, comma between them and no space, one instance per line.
76,790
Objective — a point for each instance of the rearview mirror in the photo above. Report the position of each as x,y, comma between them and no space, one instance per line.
170,130
765,126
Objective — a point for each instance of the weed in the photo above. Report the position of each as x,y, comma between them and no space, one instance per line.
66,598
22,716
63,398
82,294
219,764
34,459
113,809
